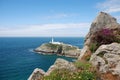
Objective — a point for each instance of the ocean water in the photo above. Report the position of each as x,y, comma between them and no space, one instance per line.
17,59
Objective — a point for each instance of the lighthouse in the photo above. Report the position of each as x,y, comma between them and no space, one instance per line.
52,41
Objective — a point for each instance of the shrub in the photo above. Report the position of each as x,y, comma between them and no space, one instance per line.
93,47
104,36
117,38
88,58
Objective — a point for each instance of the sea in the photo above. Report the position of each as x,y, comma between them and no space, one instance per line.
18,60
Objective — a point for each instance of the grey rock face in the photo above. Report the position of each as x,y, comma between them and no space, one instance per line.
103,20
83,51
107,58
61,64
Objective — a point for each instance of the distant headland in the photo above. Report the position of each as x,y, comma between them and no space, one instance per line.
58,48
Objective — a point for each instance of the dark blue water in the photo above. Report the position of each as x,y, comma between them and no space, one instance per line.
17,60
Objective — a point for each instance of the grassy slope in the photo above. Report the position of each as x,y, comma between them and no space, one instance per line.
84,72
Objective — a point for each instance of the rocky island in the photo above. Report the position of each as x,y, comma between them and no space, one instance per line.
99,58
58,48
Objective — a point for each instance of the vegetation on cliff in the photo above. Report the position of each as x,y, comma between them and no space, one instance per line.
104,36
84,71
52,46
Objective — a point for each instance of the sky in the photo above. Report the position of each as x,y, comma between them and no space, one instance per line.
52,18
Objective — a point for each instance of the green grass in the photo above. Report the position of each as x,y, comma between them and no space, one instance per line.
67,75
64,74
52,46
58,75
70,48
82,65
93,47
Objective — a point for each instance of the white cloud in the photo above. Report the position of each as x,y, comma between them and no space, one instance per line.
56,16
69,29
60,16
110,6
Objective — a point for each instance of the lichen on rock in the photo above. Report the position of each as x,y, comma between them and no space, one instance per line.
109,61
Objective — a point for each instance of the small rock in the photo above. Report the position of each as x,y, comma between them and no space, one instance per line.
37,74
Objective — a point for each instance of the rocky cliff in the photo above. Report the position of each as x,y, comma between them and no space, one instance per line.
101,50
102,46
59,49
104,30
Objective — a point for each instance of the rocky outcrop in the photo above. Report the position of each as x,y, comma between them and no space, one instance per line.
58,65
59,49
102,21
107,59
37,74
61,64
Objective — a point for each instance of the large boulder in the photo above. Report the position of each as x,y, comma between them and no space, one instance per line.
107,59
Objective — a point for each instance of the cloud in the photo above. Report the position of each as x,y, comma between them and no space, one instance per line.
56,16
110,6
59,16
68,29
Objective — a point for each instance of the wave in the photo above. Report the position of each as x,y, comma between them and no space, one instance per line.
31,50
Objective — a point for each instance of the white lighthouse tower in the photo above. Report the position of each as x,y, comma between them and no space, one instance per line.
53,42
